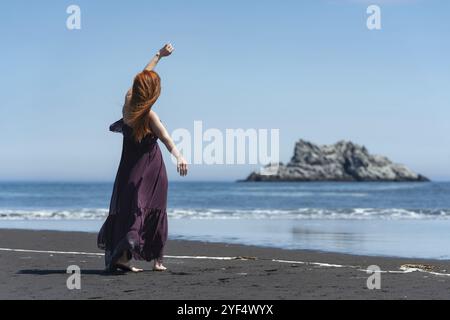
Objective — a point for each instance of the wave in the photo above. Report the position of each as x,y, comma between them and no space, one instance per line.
297,194
314,214
258,214
41,214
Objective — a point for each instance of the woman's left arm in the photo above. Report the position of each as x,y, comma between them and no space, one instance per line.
164,52
160,131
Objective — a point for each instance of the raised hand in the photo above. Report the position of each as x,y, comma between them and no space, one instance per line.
166,50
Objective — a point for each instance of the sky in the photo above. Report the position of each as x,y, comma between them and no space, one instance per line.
310,68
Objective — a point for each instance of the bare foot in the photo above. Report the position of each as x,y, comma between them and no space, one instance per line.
159,267
136,270
128,268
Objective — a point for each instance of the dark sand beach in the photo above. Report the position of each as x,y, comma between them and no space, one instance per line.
300,274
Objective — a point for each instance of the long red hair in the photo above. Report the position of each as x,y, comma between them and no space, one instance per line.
145,92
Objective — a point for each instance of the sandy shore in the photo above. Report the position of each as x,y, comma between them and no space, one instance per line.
299,274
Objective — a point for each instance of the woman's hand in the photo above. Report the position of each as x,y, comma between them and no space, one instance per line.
182,166
166,50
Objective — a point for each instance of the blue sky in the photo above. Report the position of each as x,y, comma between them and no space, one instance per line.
310,68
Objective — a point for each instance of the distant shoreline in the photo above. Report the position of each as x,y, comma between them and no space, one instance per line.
433,180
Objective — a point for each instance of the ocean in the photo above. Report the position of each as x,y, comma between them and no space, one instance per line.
388,219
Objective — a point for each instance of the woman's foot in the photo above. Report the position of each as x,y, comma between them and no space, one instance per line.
123,264
127,268
159,267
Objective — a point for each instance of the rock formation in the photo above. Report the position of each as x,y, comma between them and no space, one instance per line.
343,161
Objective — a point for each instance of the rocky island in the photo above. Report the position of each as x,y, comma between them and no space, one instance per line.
343,161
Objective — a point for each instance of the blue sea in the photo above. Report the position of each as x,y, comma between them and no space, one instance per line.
389,219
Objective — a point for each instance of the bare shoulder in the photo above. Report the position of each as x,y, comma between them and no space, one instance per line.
154,118
153,115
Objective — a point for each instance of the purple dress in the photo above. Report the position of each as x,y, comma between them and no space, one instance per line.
137,221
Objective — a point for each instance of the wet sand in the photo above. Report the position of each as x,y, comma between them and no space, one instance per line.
240,272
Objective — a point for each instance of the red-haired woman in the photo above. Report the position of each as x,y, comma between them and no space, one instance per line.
137,223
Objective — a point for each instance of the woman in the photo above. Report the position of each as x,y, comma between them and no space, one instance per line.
137,223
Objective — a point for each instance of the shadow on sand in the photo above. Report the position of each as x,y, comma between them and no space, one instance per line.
46,272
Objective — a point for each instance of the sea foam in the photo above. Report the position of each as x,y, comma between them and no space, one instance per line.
260,214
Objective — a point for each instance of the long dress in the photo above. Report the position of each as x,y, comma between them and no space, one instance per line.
137,221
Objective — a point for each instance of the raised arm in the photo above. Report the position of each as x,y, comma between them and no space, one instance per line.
160,131
164,52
